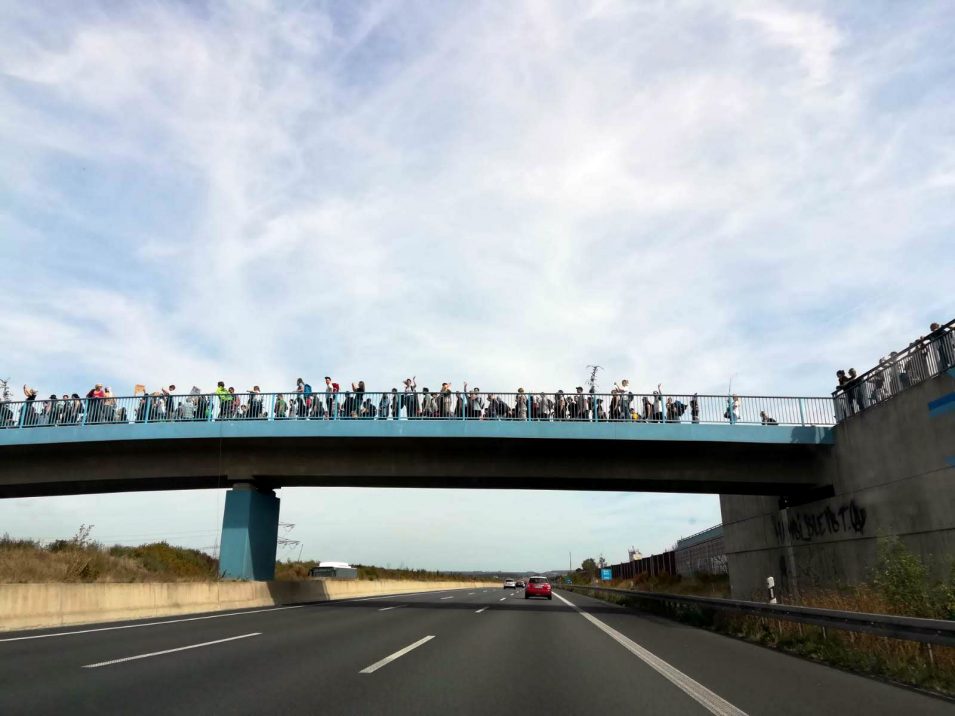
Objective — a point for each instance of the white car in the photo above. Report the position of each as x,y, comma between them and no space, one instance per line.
510,584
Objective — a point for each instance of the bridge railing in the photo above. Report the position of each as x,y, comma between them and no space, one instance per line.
680,408
921,360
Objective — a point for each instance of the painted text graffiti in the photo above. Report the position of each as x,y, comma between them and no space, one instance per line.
848,519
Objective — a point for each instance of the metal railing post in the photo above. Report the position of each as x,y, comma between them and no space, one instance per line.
802,411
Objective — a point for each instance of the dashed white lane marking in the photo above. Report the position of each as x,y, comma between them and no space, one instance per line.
502,599
397,606
443,598
470,593
397,655
483,609
387,596
147,624
694,689
169,651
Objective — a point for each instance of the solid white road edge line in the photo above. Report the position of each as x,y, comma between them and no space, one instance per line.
482,609
694,689
147,624
169,651
397,655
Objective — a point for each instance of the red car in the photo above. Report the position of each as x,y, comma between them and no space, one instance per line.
537,587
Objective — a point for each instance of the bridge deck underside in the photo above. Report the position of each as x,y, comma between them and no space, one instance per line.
488,463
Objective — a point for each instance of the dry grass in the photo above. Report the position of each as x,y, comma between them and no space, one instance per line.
81,560
297,571
701,585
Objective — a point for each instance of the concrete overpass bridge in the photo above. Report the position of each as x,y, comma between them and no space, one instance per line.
260,442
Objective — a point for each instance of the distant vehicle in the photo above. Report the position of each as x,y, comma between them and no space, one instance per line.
520,583
333,570
509,584
537,587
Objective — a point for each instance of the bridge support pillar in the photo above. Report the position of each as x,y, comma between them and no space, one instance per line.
250,526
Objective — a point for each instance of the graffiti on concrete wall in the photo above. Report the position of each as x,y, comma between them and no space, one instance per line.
847,519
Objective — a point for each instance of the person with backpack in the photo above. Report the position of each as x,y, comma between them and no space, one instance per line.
307,394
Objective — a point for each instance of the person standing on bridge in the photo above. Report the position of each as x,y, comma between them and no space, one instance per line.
560,406
658,403
225,401
330,391
255,403
281,407
545,406
732,409
941,336
474,402
298,405
444,400
410,398
170,402
580,404
520,405
428,408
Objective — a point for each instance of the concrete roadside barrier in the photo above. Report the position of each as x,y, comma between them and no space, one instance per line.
37,606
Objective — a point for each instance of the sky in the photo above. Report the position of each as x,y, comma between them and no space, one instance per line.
501,193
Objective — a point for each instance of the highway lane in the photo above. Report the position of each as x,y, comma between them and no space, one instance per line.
490,650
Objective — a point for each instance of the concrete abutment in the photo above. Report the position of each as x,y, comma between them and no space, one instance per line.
893,476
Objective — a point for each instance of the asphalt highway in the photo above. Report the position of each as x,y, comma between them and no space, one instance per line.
457,652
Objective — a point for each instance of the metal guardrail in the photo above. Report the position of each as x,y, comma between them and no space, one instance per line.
449,405
922,359
929,631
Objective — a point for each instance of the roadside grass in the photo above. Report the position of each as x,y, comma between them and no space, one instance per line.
81,559
898,585
296,571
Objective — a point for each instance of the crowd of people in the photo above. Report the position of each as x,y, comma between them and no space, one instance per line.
924,357
100,405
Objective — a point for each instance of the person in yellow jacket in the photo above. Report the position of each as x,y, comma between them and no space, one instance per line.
226,401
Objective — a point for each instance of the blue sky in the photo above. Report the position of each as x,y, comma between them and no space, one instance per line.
495,192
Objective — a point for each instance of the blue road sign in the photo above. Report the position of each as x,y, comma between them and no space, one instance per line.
606,575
